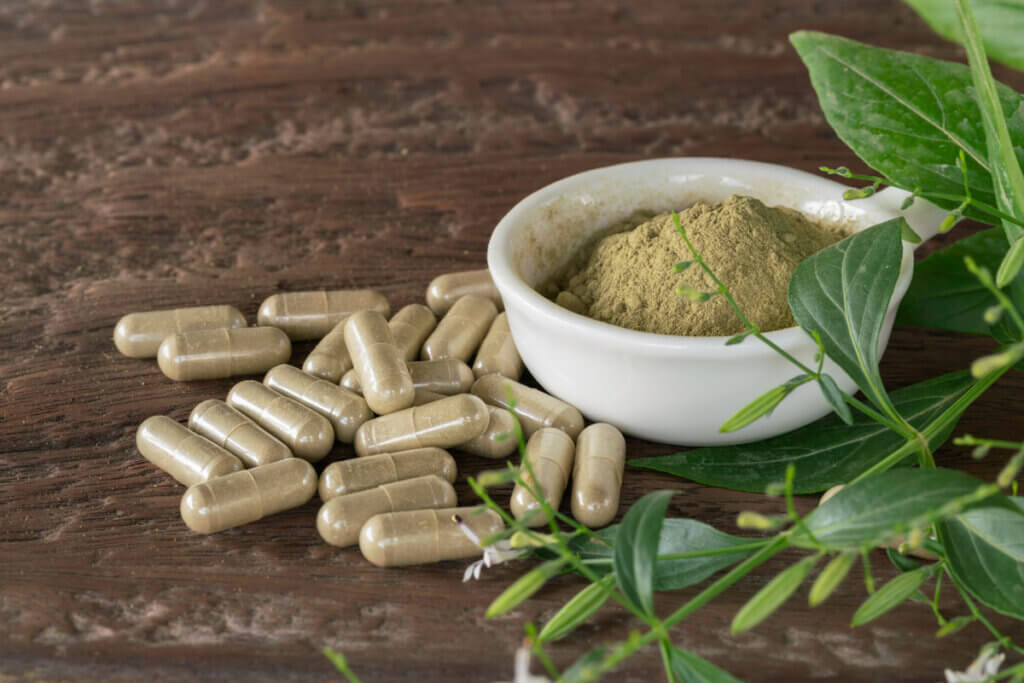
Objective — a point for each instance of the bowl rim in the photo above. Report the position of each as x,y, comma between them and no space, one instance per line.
511,285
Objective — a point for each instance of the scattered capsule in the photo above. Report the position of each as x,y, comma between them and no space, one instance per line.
597,475
461,330
447,376
139,335
533,407
358,474
247,496
345,410
499,440
444,290
311,315
410,327
229,429
400,539
330,359
341,518
224,352
383,375
550,453
498,352
307,433
444,423
184,455
423,397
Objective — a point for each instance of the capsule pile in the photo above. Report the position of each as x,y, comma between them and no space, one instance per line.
401,391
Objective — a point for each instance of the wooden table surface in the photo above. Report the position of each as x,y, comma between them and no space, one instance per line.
159,154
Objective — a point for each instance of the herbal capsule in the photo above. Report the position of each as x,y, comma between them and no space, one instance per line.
247,496
386,383
399,539
461,330
138,335
444,290
345,410
446,376
445,423
499,439
311,315
307,433
550,453
229,429
534,408
597,475
423,397
184,455
341,518
498,352
225,352
410,327
358,474
330,359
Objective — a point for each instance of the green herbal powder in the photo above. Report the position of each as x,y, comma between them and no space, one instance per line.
628,279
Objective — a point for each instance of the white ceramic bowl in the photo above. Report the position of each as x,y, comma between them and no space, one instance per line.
672,389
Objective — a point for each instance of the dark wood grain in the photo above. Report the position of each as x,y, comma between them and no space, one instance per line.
155,154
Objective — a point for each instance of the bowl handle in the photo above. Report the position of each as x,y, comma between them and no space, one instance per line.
923,217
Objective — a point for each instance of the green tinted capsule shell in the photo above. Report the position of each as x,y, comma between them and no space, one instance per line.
498,352
358,474
444,290
345,410
307,433
213,354
341,518
138,335
330,359
249,495
184,455
400,539
534,408
461,330
550,453
383,375
597,475
311,315
448,376
499,440
410,327
443,424
229,429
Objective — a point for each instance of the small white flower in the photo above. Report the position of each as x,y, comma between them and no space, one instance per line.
981,669
522,668
496,553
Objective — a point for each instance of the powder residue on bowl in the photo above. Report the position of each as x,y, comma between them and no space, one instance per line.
628,279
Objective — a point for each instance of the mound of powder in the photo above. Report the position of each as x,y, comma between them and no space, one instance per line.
628,279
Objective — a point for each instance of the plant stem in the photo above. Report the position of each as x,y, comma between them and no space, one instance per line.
728,550
778,544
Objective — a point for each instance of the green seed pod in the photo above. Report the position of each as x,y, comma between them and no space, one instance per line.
830,578
771,597
525,586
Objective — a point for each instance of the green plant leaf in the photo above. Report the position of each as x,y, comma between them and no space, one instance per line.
771,597
585,667
891,595
834,395
825,453
843,292
580,608
1007,178
689,668
904,563
636,549
1001,24
907,115
677,536
871,511
944,295
830,578
985,553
